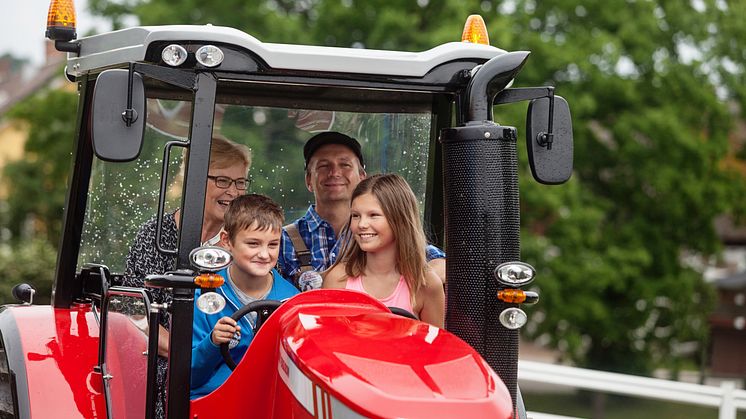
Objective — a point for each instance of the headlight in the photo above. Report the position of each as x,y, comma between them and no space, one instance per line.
513,318
210,302
514,274
210,258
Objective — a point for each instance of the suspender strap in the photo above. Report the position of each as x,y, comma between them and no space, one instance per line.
301,250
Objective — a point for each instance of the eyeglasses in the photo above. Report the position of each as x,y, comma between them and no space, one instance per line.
224,182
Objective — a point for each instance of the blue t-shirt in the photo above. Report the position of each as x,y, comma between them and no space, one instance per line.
209,370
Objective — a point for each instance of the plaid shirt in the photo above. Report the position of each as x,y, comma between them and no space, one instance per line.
322,243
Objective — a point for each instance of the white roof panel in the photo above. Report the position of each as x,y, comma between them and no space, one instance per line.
114,48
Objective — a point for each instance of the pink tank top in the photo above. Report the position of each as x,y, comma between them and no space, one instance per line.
399,298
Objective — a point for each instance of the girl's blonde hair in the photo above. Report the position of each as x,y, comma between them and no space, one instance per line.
400,208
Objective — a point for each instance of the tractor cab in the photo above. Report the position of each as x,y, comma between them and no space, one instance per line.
152,100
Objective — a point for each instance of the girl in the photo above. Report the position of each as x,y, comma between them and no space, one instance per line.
384,251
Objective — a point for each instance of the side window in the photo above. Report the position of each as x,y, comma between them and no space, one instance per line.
124,196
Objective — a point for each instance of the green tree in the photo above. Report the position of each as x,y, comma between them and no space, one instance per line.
652,127
651,85
37,183
31,262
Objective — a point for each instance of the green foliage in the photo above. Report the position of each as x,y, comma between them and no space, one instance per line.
31,218
651,84
30,262
650,136
37,184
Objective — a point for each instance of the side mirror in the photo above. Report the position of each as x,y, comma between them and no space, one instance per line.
549,154
118,126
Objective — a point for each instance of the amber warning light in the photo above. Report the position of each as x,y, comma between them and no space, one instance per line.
61,24
209,280
475,31
518,296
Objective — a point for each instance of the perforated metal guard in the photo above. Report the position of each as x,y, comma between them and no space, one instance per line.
482,231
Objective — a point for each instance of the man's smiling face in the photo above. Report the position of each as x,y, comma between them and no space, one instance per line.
333,173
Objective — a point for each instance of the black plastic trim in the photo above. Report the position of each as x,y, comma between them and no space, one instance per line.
11,340
66,283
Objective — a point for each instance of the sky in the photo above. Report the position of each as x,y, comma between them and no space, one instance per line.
23,33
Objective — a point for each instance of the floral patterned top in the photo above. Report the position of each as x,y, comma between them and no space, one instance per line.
144,259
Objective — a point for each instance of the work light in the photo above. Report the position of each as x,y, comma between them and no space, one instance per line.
174,55
209,56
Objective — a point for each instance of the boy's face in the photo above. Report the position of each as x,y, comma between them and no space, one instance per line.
254,251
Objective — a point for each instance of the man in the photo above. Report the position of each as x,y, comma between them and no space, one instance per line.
334,167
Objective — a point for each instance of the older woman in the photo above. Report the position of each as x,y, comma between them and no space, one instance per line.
229,165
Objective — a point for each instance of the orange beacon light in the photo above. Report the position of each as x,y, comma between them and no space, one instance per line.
61,25
475,31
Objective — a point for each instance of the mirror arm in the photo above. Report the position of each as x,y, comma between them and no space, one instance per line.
130,114
178,78
519,94
544,139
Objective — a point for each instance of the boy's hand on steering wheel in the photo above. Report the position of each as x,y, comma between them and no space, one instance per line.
224,330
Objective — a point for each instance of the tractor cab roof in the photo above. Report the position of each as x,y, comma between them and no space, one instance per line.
114,49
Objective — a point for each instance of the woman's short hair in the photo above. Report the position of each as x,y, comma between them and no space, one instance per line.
224,153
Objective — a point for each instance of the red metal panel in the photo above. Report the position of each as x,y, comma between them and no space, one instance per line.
60,347
384,365
348,348
126,360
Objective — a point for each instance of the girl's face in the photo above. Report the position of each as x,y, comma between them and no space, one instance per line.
369,226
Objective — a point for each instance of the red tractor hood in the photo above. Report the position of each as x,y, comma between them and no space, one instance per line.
343,354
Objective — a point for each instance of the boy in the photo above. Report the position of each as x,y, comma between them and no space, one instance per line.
253,226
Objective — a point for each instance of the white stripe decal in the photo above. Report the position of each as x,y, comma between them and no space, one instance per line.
319,403
297,382
319,399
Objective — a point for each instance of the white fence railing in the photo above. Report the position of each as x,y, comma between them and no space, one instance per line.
727,398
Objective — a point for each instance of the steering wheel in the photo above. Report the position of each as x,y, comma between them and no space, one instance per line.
404,313
263,309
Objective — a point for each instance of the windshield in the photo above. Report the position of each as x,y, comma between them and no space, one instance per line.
124,196
390,143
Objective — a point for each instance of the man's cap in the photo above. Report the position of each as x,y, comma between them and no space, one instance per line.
331,137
